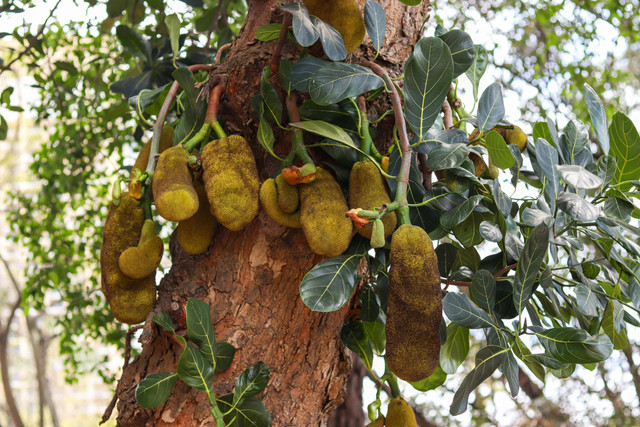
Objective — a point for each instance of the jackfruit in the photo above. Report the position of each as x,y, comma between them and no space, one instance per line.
379,422
133,305
400,414
367,191
231,180
322,214
173,192
288,196
269,201
166,141
414,310
344,16
478,164
138,262
195,234
514,136
377,235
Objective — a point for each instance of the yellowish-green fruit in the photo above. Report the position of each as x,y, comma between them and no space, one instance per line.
121,231
516,136
173,192
166,141
133,305
367,191
288,195
344,16
140,261
414,310
379,422
322,214
269,201
478,164
377,235
400,414
231,179
494,172
195,234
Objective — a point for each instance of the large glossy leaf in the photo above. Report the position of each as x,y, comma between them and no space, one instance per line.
490,107
625,147
598,116
134,43
531,258
223,353
488,360
499,153
164,320
303,29
461,311
337,81
454,351
446,253
329,284
571,345
432,382
155,389
462,50
200,329
483,290
447,156
490,231
270,98
468,232
477,68
173,25
427,78
613,325
547,159
503,201
268,32
577,207
618,208
250,413
460,213
251,381
194,370
509,366
303,72
331,40
326,130
355,338
576,140
376,332
369,307
579,177
435,137
375,21
146,98
587,300
195,110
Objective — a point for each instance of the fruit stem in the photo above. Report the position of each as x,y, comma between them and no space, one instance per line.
367,146
202,134
213,104
393,384
297,142
218,130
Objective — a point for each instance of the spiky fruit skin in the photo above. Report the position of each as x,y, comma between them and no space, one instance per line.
269,201
230,178
173,192
322,214
130,299
288,195
344,16
140,261
195,234
166,141
367,191
414,310
400,414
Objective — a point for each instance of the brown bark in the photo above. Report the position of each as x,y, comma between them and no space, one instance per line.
250,278
349,413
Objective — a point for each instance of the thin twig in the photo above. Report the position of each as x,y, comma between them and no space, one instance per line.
468,284
448,115
426,172
275,59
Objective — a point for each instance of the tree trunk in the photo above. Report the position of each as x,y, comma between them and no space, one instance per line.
250,278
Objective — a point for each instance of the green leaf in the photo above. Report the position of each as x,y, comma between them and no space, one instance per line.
223,353
587,300
576,140
155,389
251,381
613,325
499,153
329,284
303,72
284,73
579,177
164,320
447,156
411,2
265,136
503,201
369,308
432,382
483,290
577,207
460,212
194,370
462,50
270,98
598,116
268,32
326,130
376,332
200,329
427,79
490,231
488,360
375,21
625,147
147,97
549,362
331,40
607,167
547,159
4,128
455,349
303,29
477,68
354,337
490,107
337,81
531,258
193,115
461,311
618,208
173,25
571,345
523,352
134,43
250,413
468,232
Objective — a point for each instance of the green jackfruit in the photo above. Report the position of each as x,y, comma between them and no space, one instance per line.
414,310
140,261
322,214
288,195
173,192
195,234
379,422
400,414
269,202
133,305
344,16
367,191
166,141
231,179
516,136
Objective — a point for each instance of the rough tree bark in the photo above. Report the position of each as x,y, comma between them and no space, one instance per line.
250,278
